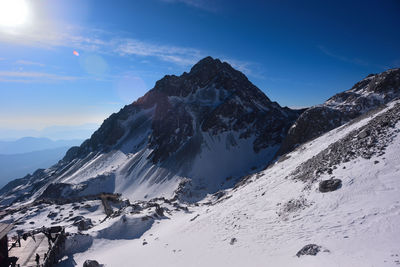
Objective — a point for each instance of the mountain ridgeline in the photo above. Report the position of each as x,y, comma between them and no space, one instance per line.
192,135
368,94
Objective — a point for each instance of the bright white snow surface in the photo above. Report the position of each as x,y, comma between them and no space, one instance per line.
358,224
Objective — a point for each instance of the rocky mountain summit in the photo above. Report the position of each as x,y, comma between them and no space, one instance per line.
190,135
366,95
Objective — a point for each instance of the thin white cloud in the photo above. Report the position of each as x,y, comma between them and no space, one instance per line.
355,61
174,54
208,5
27,77
102,42
29,63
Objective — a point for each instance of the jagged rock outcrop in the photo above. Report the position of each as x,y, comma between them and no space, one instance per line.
368,94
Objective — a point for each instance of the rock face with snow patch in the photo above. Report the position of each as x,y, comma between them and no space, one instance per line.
368,94
189,132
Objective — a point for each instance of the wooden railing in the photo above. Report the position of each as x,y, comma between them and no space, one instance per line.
56,250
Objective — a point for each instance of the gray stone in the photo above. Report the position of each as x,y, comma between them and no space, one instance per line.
330,185
84,224
362,134
310,249
91,263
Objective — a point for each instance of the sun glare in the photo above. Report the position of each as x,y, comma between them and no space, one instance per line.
13,13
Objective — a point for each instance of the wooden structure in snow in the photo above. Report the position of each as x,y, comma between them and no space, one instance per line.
4,229
47,243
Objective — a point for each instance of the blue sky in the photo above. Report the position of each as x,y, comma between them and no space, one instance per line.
298,52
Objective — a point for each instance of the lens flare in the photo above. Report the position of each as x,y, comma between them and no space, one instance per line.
76,53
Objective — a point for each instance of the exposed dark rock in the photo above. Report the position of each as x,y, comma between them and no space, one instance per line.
380,134
159,211
330,185
364,96
310,249
313,122
233,241
91,263
52,215
56,190
83,224
230,102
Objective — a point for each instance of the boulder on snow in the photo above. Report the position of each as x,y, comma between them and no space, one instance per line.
52,214
363,134
310,249
330,185
83,224
159,211
91,263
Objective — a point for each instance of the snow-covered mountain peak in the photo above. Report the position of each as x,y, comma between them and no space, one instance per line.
190,135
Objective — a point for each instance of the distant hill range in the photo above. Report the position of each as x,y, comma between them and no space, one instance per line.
25,155
31,144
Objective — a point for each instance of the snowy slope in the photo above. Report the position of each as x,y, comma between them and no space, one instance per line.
265,219
255,224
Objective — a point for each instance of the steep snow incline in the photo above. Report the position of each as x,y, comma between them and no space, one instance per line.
272,215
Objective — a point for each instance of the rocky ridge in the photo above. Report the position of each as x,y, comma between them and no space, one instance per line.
368,94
